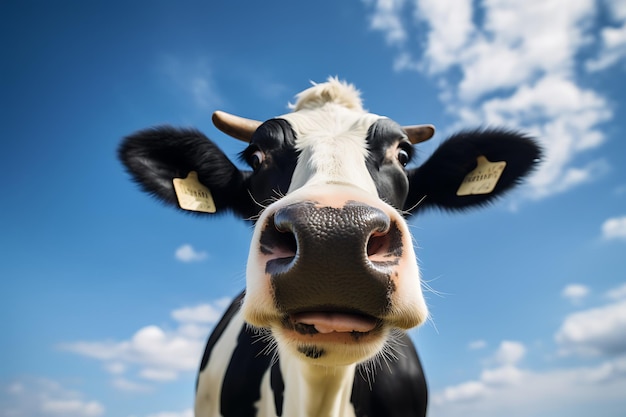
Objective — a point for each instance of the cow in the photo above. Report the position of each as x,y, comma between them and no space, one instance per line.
332,282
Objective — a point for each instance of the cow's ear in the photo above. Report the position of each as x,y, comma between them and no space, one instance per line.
471,169
183,168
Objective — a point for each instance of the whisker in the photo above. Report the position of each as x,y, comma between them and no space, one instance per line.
265,204
254,218
429,288
407,212
256,202
278,193
265,336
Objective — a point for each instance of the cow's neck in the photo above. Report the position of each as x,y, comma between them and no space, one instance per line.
312,390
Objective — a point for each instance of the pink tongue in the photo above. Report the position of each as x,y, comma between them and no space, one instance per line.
335,322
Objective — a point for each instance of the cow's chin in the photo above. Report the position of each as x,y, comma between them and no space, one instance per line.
332,348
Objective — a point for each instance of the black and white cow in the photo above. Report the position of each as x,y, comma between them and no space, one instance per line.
332,282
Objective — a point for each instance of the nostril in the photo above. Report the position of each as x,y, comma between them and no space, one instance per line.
278,240
286,243
382,246
376,244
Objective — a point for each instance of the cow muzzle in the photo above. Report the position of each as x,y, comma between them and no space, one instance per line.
331,272
333,260
333,249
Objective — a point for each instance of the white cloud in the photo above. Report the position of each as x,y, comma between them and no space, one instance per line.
509,353
575,292
115,368
451,30
505,388
477,344
159,374
596,331
153,353
465,392
44,397
186,253
516,66
124,384
155,347
614,228
387,18
618,293
613,49
613,39
203,313
150,347
15,388
517,40
184,413
514,392
72,407
507,374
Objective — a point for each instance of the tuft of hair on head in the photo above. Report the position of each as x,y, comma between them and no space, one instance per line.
332,91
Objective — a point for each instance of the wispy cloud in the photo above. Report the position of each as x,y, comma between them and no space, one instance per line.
614,228
152,353
187,253
515,66
192,78
477,344
506,357
203,313
618,293
386,19
575,292
127,385
72,407
184,413
506,387
45,397
612,39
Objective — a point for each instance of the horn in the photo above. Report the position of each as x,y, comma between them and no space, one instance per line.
235,126
419,133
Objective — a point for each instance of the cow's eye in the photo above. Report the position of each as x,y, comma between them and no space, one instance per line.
403,156
255,159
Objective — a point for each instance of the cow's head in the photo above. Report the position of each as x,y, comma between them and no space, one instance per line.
331,269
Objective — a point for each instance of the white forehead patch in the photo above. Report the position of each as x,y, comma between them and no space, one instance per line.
331,129
332,91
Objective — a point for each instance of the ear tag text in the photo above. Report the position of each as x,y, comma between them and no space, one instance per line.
483,179
192,195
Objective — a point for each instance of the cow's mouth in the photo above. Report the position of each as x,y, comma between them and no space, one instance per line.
331,324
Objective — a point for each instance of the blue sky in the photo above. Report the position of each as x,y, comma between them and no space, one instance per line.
107,297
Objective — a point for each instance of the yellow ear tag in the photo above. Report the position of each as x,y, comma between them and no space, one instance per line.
192,195
483,179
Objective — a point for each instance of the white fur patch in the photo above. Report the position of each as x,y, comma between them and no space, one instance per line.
331,129
332,91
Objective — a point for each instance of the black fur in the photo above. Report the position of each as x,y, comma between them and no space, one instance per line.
156,156
270,181
389,176
440,176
